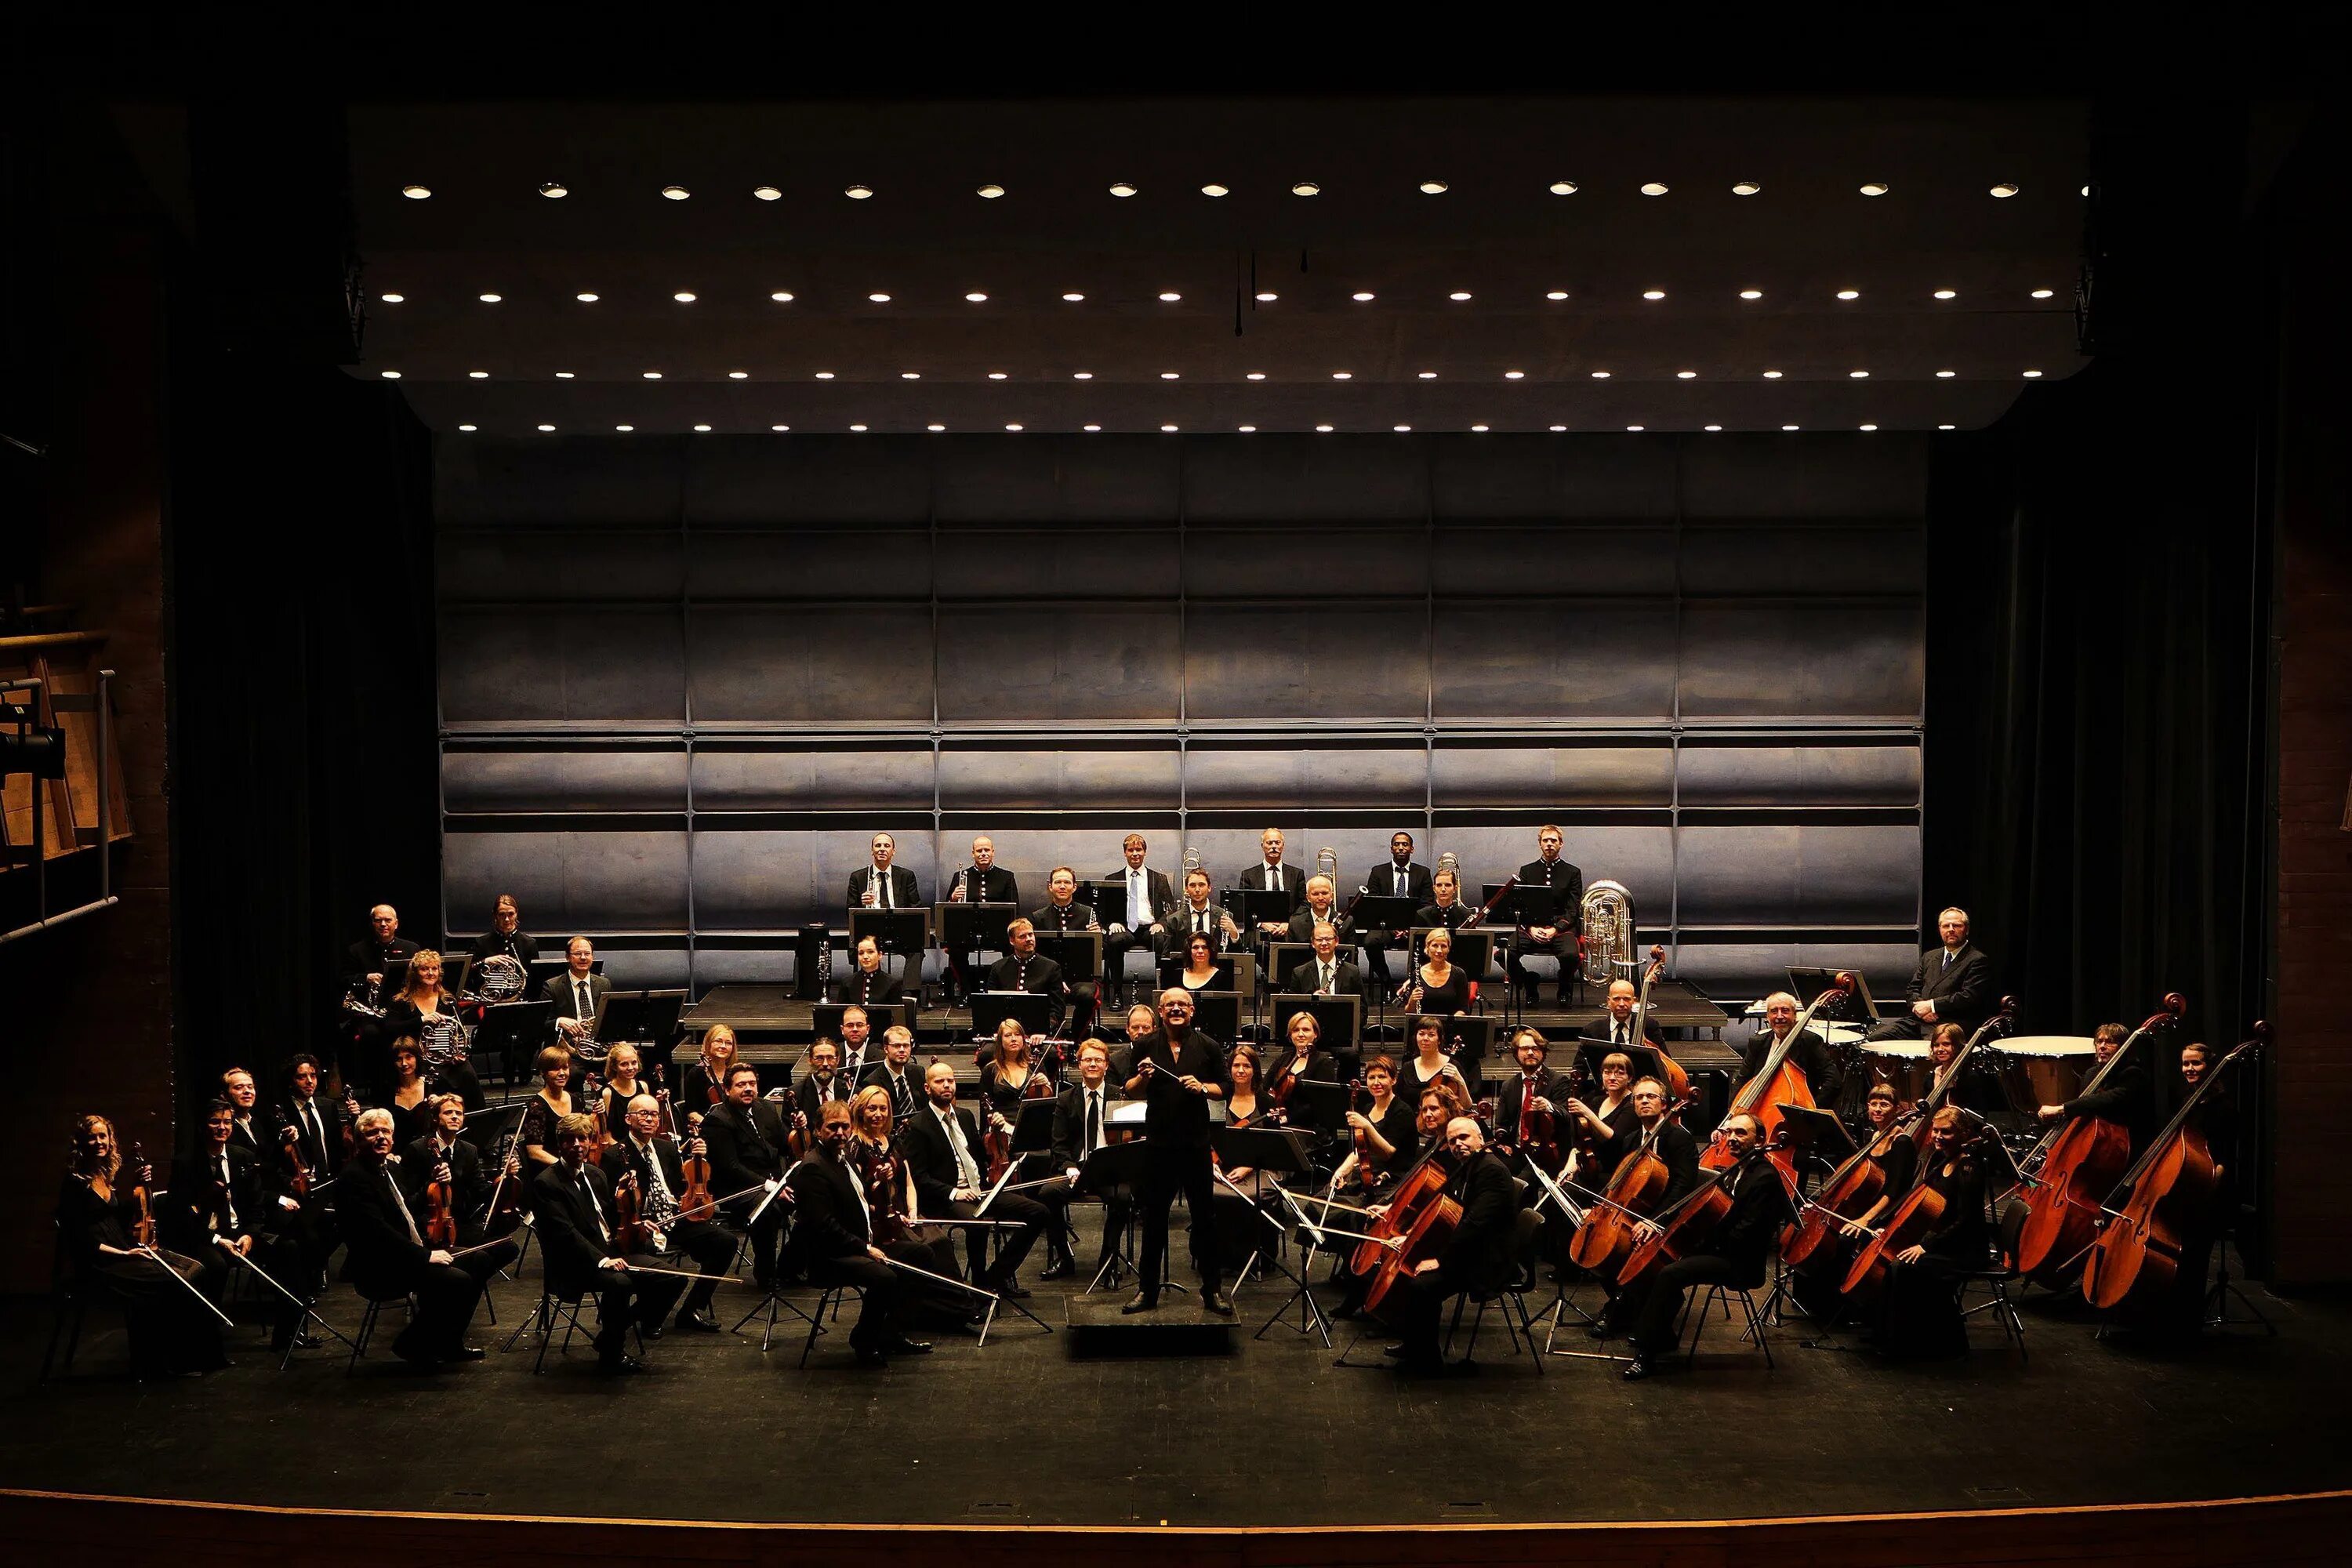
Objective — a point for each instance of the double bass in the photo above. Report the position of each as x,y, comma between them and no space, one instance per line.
2049,1220
1777,1083
2137,1260
1670,1071
1861,1179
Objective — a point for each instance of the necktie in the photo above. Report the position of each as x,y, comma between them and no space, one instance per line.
1325,987
882,888
1947,958
228,1194
1621,1031
1136,918
660,1194
603,1233
967,1174
318,1134
864,1214
582,1009
401,1205
1398,887
1094,1121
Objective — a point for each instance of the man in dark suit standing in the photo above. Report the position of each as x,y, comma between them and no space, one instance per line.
1476,1257
572,1208
1136,917
389,1258
645,1153
882,885
1558,937
745,1135
1953,985
1178,1070
1398,876
943,1155
577,991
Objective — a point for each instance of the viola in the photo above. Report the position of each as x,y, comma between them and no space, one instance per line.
441,1213
797,1140
1633,1193
1286,1080
1361,1136
143,1227
878,1169
1778,1083
694,1172
2136,1258
2052,1215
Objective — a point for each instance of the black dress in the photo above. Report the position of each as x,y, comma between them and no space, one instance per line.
172,1331
401,1017
1442,1001
410,1122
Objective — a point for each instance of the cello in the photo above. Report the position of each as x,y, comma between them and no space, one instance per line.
1683,1227
1911,1221
2050,1219
1777,1083
1432,1227
2136,1258
1861,1179
1632,1193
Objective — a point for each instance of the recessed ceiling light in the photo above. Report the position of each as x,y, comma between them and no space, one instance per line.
934,426
1873,187
683,295
1082,375
976,298
1556,429
880,298
989,192
392,298
478,375
1788,426
1865,426
2032,375
1654,189
911,375
1632,427
1433,187
586,297
1213,189
468,427
766,192
547,427
857,192
2086,191
1343,375
1323,429
1710,427
675,193
859,429
702,429
739,375
1946,375
2006,188
1654,293
1459,294
996,375
1745,187
1600,375
1170,375
1947,293
1478,427
1771,375
1362,296
1556,294
625,427
778,427
1246,429
1428,375
1685,376
1073,297
1400,428
489,299
1168,296
1751,293
1955,426
1121,189
554,189
416,193
389,374
1858,374
653,375
1267,295
1849,293
1305,188
1255,375
824,375
1514,375
781,296
1563,187
563,375
1169,429
1090,429
1012,427
2043,293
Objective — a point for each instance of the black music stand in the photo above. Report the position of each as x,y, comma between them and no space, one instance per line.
906,932
1383,912
1279,1151
515,1030
1282,955
1079,953
1473,949
1857,1006
1815,1133
1521,906
646,1019
1338,1020
1171,969
824,1022
1591,1053
1248,906
1218,1013
1127,1165
991,1008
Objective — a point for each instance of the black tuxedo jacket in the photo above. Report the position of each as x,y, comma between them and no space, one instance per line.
1479,1255
931,1159
1158,893
1070,1121
1303,922
566,1218
1759,1210
390,960
1380,883
1549,1086
1075,918
881,989
384,1260
559,991
1961,990
197,1208
745,1148
1300,979
904,892
1262,877
1810,1052
810,1096
468,1194
1567,884
829,1219
903,1100
1674,1145
1178,925
1038,975
1452,918
995,885
326,1162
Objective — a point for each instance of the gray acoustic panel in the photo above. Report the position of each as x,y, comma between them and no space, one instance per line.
1816,773
1787,658
1735,974
650,777
737,966
1044,571
999,666
1287,662
1027,777
739,481
573,568
1315,568
811,666
1070,480
1335,479
1752,559
570,881
1836,875
566,484
1274,779
867,778
1535,777
650,968
1641,858
751,566
1877,474
1473,476
561,663
1560,659
1516,561
773,879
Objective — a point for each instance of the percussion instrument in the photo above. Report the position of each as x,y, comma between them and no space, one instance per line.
2036,1070
1903,1064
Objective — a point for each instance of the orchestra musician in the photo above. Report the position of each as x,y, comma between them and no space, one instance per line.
2216,1118
318,1128
856,1035
577,991
890,1190
1476,1257
823,1081
371,966
1607,1120
1388,1127
1322,908
1734,1254
1436,986
1062,914
579,1236
536,1135
982,883
423,1003
1303,1056
164,1296
1535,1089
506,935
1644,1126
745,1137
880,885
1953,984
1897,1160
1177,1072
895,1074
1139,919
1023,969
1810,1054
1270,875
869,982
1196,915
654,1158
1558,937
2123,1097
1398,876
1617,1026
389,1257
1203,970
704,1084
1920,1308
1247,1105
410,1096
442,1154
1430,1064
833,1240
1973,1091
1081,1126
1446,907
621,1085
221,1198
251,1128
1326,973
943,1149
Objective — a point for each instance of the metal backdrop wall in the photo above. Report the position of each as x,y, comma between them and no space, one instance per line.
683,681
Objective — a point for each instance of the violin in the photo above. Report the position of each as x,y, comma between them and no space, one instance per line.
440,1210
634,1232
665,1122
877,1168
299,1180
797,1140
694,1171
1361,1136
143,1227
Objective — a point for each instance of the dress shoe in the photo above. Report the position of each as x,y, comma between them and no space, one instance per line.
1397,1352
1599,1331
687,1323
1142,1302
467,1352
900,1344
1639,1368
1060,1268
1011,1291
620,1365
1217,1301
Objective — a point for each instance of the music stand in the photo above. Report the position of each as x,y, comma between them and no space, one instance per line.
1079,953
1384,913
1279,1151
1282,955
1338,1020
1218,1013
1590,1054
1251,905
515,1030
991,1008
644,1018
1472,949
906,932
1171,969
1125,1165
1815,1133
1808,981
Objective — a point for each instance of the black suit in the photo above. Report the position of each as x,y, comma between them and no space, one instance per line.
879,989
1548,1085
1567,885
1176,1138
746,1145
521,946
1305,979
932,1161
204,1202
710,1247
904,892
1179,925
1961,991
2122,1098
1380,882
388,1258
1071,1151
576,1221
1120,934
1477,1257
1734,1254
1810,1053
1304,919
560,990
906,1094
831,1231
389,959
812,1096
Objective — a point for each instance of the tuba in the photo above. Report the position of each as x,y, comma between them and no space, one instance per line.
1612,951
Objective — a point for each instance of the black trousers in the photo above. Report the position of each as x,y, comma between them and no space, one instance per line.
446,1295
1413,1305
885,1292
1019,1207
712,1248
765,1235
1562,946
171,1329
623,1299
1652,1305
1058,1195
1172,1169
